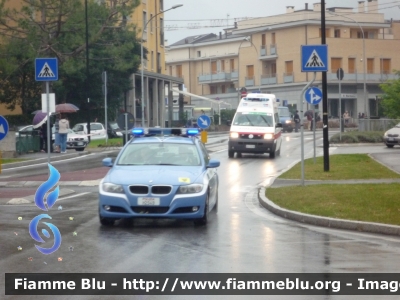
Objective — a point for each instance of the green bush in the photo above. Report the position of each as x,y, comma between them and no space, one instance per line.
18,120
358,137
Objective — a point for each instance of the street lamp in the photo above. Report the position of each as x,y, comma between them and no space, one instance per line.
364,59
141,55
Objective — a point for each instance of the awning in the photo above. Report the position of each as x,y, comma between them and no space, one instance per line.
197,96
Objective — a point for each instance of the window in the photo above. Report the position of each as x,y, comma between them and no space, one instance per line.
273,41
144,21
352,65
161,5
273,69
337,33
336,63
158,62
198,53
370,65
151,22
360,35
152,60
214,67
161,32
179,71
250,71
263,40
222,65
232,64
223,89
213,89
385,66
289,68
170,70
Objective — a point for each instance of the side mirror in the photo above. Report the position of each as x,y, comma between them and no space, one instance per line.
213,163
107,162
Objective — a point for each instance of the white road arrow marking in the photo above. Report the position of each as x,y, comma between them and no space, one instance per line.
204,122
313,96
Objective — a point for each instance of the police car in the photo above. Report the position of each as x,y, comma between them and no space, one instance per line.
160,173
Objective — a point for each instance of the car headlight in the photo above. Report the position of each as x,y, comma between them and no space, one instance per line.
234,135
190,189
386,134
288,121
112,188
268,136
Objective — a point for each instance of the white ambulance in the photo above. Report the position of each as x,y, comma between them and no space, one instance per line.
255,127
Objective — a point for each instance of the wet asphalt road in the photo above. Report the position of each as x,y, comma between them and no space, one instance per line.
242,237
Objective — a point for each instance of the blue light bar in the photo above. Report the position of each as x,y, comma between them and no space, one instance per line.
138,131
192,131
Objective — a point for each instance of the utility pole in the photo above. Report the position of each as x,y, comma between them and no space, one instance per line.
324,95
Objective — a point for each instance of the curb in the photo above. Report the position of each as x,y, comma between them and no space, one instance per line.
326,221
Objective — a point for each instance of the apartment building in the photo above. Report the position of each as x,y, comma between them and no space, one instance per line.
264,54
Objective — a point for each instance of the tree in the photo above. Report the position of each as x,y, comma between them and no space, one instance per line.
391,98
56,28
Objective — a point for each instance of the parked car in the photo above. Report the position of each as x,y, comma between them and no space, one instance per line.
97,130
392,136
285,118
168,175
113,130
76,141
25,130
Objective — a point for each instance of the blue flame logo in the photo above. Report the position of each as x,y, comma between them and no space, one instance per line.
40,203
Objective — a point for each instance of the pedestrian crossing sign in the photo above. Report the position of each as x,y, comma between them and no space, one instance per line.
46,69
314,58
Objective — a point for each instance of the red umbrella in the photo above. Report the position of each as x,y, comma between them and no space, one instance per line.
66,108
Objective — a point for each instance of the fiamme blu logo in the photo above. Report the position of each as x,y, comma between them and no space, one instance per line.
52,196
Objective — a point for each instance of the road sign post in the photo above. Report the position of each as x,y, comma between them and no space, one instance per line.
46,69
340,75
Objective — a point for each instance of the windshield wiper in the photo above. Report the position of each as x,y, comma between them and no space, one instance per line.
249,120
265,121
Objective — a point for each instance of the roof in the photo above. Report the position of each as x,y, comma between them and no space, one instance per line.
203,38
167,139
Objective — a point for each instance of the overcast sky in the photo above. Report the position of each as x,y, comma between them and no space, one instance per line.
199,16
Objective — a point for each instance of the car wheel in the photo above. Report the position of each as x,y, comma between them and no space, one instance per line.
238,154
272,154
80,149
203,221
106,221
290,130
216,203
389,146
230,154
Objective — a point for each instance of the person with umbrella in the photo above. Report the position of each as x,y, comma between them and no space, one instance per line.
56,134
63,132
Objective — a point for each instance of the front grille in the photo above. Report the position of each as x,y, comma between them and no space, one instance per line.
393,135
139,189
117,209
161,189
150,209
255,136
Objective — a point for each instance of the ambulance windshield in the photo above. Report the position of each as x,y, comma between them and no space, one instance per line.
261,119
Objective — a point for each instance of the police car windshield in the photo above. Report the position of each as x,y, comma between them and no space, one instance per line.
261,119
173,154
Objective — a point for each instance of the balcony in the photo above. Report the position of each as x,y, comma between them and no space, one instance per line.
288,77
263,50
218,77
267,79
359,77
249,81
272,55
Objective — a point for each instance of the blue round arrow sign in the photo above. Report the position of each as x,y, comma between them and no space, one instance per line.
204,121
313,95
3,127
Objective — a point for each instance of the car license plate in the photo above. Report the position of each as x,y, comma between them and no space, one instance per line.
250,146
79,143
148,201
391,139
